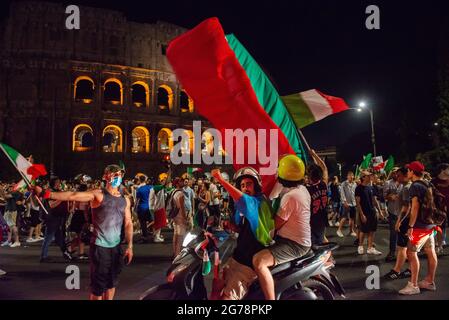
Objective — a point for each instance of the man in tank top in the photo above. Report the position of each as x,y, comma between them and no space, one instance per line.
110,210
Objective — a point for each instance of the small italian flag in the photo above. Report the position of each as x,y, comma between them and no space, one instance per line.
19,161
312,105
191,170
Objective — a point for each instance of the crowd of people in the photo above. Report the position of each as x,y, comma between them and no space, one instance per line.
103,214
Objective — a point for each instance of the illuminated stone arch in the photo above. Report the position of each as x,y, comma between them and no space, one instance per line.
112,139
207,144
164,98
188,145
185,102
82,138
140,140
140,94
84,89
164,140
113,91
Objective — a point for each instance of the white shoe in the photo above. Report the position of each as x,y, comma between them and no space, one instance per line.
423,284
409,290
2,272
38,239
15,244
29,240
353,234
360,250
331,224
6,244
337,224
373,251
158,240
340,234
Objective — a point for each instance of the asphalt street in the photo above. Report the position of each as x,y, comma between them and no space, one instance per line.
27,278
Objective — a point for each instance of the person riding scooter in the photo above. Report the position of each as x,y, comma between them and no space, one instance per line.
292,220
254,217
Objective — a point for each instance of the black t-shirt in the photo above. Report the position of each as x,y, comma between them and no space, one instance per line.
366,194
247,245
335,192
11,204
318,196
418,189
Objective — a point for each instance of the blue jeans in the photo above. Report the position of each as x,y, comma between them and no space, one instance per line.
55,229
392,219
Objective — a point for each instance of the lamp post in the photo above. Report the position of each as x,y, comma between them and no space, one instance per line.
361,107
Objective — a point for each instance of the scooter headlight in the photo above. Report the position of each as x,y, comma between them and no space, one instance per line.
188,239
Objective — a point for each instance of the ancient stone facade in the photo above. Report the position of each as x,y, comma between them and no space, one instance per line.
80,99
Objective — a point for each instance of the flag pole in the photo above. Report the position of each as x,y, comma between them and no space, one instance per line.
24,178
304,139
306,143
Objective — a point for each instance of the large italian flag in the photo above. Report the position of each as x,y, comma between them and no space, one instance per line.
231,90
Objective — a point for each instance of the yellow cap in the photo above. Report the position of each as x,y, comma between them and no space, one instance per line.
291,168
163,176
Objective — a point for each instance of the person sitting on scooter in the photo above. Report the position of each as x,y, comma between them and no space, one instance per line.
254,217
292,219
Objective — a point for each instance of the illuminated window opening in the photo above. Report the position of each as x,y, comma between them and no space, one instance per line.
140,93
141,140
164,98
112,139
84,89
83,138
185,102
164,141
113,92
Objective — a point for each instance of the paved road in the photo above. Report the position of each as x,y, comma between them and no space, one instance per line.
29,279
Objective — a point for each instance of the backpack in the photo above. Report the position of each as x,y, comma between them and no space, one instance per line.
172,208
433,209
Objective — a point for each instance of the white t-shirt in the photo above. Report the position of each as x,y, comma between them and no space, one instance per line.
213,190
295,208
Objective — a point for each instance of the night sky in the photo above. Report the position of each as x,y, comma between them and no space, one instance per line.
325,45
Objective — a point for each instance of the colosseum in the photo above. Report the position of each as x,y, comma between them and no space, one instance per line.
80,99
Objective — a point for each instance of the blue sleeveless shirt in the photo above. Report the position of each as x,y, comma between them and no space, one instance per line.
107,220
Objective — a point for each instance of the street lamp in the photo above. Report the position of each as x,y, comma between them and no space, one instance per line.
362,105
360,108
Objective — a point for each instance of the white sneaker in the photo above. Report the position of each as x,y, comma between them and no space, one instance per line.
423,284
373,251
360,250
353,234
38,239
2,272
158,240
340,234
331,224
29,240
15,244
337,224
6,244
409,290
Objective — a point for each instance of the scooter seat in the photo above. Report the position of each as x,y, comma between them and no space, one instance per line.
286,265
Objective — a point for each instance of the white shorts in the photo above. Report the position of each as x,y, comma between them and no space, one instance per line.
11,218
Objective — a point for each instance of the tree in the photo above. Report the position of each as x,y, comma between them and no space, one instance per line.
440,151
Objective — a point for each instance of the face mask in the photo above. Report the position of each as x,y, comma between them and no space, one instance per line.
116,182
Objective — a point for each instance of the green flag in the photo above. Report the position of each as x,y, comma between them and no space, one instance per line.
366,161
389,165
